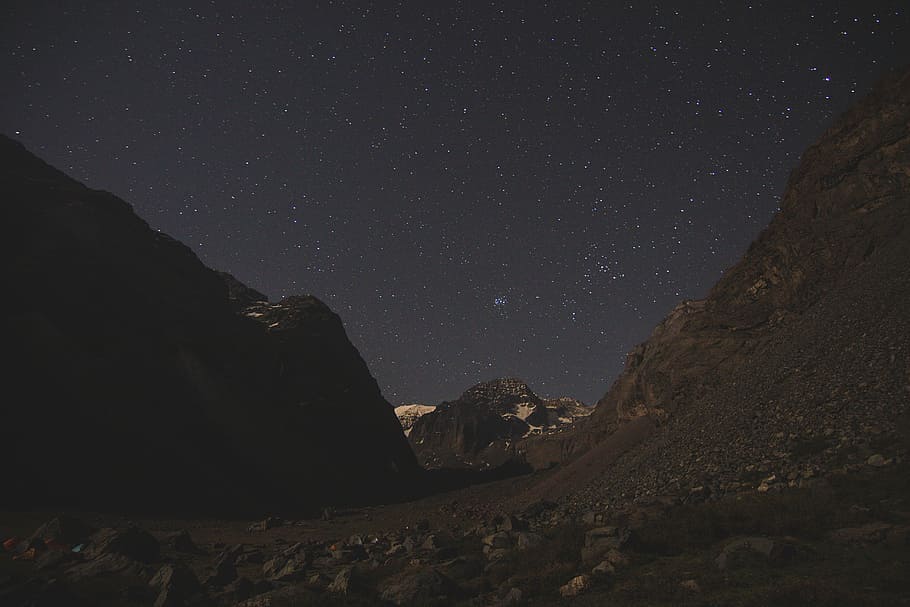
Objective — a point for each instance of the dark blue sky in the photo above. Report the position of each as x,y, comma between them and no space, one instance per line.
480,189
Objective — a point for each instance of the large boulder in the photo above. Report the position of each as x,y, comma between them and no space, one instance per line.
131,542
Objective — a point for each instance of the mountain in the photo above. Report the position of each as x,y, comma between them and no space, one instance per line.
407,414
484,427
565,410
139,378
797,362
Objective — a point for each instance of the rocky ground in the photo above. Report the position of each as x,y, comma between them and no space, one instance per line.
841,539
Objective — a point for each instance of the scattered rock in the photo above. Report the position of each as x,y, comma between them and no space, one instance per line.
877,460
415,586
575,586
343,582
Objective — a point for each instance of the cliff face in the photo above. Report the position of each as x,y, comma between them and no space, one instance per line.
847,199
798,360
136,380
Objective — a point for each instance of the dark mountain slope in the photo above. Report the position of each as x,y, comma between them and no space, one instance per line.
799,358
132,382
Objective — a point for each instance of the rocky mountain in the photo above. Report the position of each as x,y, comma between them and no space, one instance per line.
407,414
138,378
798,360
565,410
484,427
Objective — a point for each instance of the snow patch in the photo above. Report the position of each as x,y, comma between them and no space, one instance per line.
408,414
523,410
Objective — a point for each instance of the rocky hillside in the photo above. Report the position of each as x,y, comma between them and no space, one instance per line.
139,378
485,426
797,362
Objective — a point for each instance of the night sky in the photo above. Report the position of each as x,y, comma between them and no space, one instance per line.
479,189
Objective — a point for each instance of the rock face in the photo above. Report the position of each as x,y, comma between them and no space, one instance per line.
486,425
410,413
801,350
138,377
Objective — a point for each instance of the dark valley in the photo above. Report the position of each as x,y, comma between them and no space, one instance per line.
171,437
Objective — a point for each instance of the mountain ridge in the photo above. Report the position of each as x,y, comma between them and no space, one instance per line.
149,385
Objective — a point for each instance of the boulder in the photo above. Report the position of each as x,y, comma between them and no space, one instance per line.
284,569
131,542
616,558
575,586
432,542
181,541
176,585
500,539
604,568
344,582
461,568
415,586
223,572
527,540
601,540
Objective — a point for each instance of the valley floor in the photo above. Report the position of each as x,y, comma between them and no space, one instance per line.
845,540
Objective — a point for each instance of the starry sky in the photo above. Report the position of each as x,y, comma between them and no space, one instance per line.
480,189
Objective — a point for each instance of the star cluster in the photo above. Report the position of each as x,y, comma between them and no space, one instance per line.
479,189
